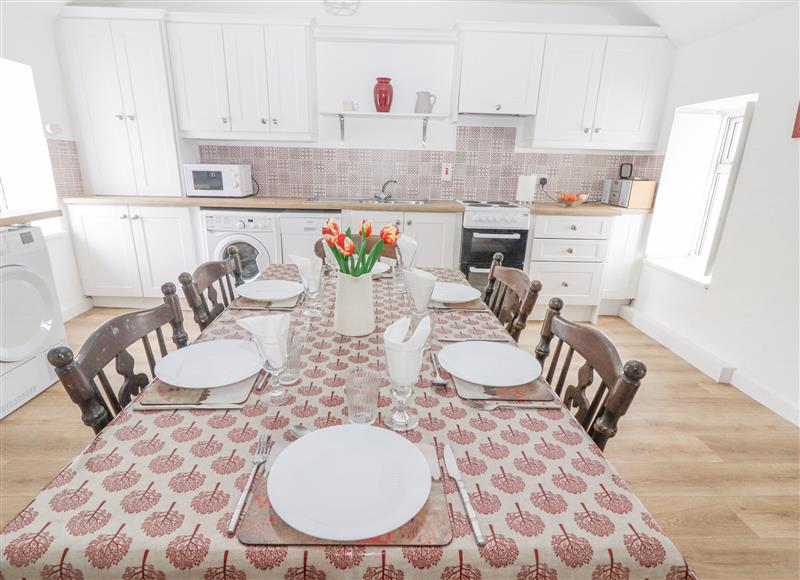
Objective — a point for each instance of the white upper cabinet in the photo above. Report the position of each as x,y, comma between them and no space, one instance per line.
287,71
240,80
632,90
500,72
198,68
568,95
602,92
145,93
117,78
88,51
246,62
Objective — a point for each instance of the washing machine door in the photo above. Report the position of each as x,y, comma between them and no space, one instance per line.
252,253
28,310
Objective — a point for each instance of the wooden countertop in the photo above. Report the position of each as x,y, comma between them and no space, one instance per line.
301,203
15,217
586,209
298,203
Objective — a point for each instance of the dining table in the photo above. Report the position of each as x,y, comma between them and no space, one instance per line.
151,496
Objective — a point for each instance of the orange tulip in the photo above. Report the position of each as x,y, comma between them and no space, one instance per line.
389,234
345,245
330,239
366,227
331,228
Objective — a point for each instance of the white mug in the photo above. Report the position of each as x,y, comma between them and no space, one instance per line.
349,106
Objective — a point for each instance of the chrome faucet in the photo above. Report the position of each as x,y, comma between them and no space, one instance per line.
383,195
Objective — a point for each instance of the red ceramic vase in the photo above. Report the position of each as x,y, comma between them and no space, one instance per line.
383,94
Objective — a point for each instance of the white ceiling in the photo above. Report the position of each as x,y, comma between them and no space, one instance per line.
683,21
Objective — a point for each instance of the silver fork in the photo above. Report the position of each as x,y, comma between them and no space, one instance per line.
437,379
260,458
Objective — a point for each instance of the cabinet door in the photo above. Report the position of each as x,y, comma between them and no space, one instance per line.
165,245
287,72
436,234
352,219
91,74
198,68
625,254
568,93
105,250
246,65
500,73
631,97
142,70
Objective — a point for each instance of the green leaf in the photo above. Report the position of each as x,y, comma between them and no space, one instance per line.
374,255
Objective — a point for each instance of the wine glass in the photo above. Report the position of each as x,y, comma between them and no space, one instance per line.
313,289
274,355
294,350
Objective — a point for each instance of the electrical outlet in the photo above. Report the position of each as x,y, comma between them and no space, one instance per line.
447,172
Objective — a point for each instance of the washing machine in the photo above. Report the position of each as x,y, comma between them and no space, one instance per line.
30,317
255,234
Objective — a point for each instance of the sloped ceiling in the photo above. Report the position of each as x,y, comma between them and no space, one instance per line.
690,20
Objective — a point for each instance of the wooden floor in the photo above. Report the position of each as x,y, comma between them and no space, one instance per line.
718,471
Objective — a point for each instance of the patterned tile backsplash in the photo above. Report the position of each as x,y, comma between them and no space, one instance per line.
66,167
485,166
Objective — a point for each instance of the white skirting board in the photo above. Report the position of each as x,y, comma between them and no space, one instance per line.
710,364
78,308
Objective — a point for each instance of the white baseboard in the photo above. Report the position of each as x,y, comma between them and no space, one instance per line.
710,364
125,302
78,308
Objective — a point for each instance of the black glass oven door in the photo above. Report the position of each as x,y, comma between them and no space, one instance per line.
479,246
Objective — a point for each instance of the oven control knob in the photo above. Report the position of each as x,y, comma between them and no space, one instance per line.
240,225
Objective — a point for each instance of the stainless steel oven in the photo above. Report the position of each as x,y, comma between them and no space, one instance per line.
491,227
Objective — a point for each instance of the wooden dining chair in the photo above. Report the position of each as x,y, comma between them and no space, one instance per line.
110,342
510,295
201,293
598,414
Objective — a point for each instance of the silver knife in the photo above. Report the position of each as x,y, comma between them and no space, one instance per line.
454,472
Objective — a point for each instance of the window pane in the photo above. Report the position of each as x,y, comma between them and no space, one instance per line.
715,206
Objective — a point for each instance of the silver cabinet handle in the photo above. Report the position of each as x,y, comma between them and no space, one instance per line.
564,284
573,227
119,116
135,216
408,223
263,121
274,121
398,222
586,130
123,216
498,107
569,250
597,129
130,117
224,120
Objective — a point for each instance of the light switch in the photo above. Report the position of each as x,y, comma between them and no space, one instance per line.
447,172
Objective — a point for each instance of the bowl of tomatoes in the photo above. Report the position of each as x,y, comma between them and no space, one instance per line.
572,199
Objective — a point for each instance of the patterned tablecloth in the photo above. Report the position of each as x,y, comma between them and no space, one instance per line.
151,495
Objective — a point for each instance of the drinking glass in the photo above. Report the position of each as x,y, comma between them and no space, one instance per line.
294,351
312,288
401,419
361,396
399,275
274,355
403,368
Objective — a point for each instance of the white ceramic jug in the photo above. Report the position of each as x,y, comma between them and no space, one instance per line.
425,102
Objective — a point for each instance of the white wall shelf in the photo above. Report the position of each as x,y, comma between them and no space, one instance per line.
375,115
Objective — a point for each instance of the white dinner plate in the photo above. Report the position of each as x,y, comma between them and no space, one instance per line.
270,290
490,364
349,482
450,293
214,363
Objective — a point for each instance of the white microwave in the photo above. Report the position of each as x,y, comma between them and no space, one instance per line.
218,180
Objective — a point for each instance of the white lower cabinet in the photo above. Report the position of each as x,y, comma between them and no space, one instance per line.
130,251
438,234
625,254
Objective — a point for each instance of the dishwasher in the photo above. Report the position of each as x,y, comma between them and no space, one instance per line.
300,230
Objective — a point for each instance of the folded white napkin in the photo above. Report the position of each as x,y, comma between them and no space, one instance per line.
408,249
404,357
420,286
271,334
310,270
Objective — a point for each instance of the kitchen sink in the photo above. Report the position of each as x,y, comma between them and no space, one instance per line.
370,201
